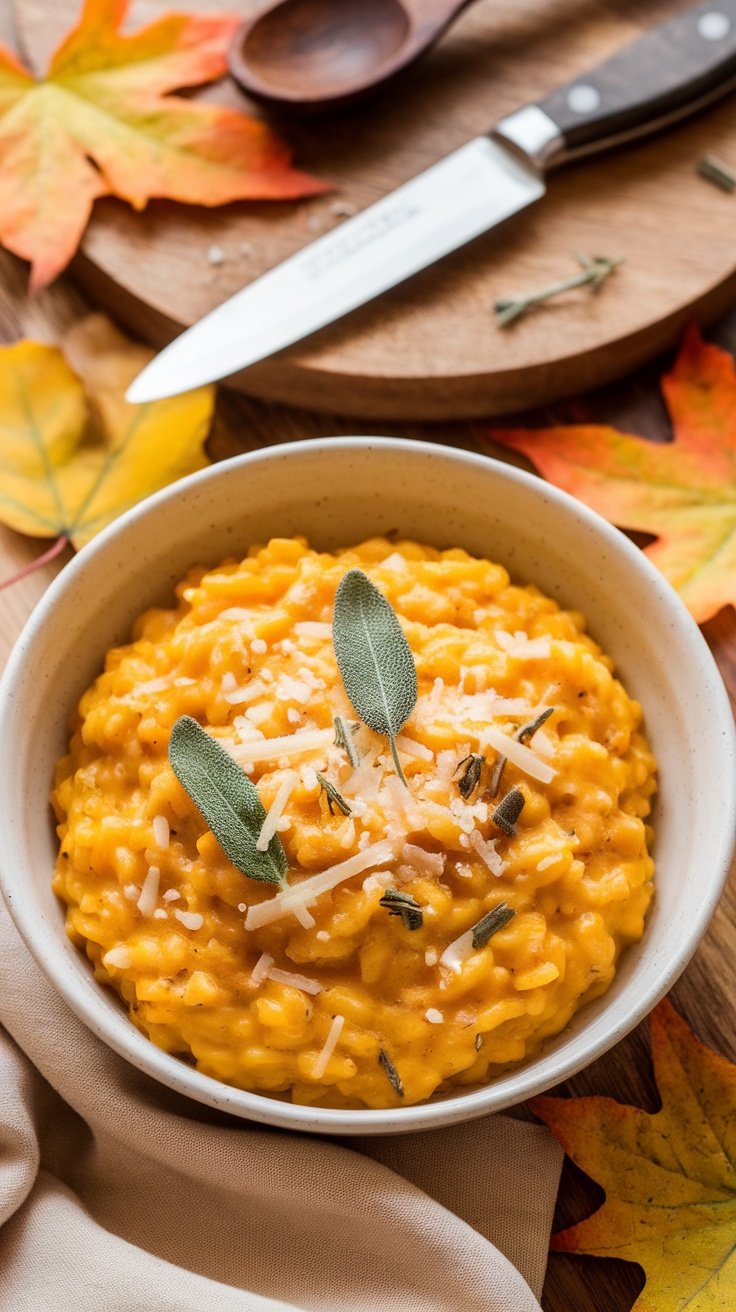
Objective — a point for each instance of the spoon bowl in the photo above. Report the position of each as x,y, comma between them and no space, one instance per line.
313,54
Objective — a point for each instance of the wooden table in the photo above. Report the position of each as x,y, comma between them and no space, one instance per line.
706,992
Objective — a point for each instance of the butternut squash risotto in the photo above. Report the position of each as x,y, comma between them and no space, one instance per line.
425,933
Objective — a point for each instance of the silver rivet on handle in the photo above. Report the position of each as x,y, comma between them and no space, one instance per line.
583,98
714,25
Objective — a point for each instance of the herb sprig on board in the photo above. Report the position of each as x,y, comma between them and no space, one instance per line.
374,658
227,800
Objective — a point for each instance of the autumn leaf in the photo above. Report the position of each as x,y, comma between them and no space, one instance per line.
73,452
670,1178
102,123
682,491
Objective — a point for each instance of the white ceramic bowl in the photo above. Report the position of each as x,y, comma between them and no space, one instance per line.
338,491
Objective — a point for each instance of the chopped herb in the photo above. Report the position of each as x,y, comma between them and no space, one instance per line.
594,271
498,770
528,730
470,777
344,730
334,799
227,799
716,171
392,1073
508,811
404,905
374,658
492,921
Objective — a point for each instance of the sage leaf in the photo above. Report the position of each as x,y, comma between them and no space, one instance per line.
374,658
393,1075
490,924
227,799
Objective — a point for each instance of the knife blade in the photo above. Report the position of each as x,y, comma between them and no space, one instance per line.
671,71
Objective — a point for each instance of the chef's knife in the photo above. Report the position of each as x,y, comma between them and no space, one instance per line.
671,71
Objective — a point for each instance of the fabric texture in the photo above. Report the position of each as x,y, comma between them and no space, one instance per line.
117,1194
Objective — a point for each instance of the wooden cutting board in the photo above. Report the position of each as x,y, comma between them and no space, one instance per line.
431,348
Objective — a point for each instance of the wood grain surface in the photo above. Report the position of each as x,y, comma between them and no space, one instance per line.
432,348
706,993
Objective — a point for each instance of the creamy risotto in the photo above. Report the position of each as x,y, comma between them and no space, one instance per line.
427,933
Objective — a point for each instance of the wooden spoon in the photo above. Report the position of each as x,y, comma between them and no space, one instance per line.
318,53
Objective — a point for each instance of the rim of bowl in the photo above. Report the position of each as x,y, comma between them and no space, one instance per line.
176,1074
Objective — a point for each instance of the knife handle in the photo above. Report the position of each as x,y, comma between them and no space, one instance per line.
671,71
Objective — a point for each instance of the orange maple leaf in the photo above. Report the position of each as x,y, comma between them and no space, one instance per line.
102,123
682,491
670,1178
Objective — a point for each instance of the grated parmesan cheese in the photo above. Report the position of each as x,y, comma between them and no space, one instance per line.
131,892
312,629
293,715
518,754
149,892
161,831
308,890
259,646
261,968
335,1030
271,749
457,952
322,935
171,895
241,695
160,914
228,682
189,919
411,748
486,850
294,981
293,690
434,1016
305,918
273,815
429,863
431,957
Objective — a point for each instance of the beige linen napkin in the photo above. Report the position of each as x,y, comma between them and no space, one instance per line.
117,1195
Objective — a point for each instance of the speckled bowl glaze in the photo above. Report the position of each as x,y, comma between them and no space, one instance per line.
338,491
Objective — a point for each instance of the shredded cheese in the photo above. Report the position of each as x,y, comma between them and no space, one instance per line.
189,919
330,1043
486,850
261,968
411,748
312,629
269,749
518,754
305,918
429,863
275,810
149,892
308,890
161,831
294,981
457,952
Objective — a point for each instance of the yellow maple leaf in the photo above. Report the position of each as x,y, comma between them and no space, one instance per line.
670,1177
73,452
